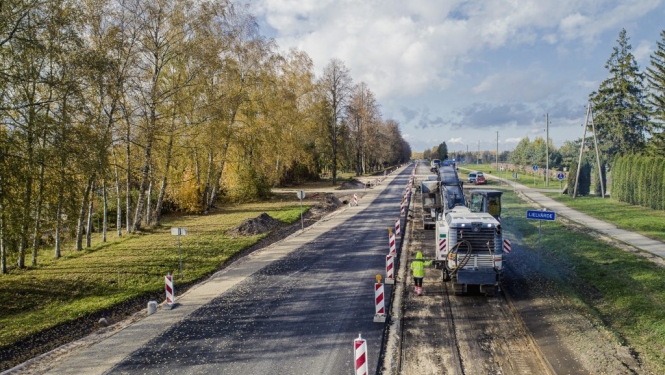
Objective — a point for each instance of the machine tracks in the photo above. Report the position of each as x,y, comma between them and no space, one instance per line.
468,334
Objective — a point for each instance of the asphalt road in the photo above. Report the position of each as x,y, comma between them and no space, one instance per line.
298,315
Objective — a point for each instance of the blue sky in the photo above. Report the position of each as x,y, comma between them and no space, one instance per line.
459,71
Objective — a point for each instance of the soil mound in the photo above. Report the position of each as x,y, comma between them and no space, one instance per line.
353,184
260,224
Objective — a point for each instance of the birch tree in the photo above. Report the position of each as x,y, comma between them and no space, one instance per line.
336,87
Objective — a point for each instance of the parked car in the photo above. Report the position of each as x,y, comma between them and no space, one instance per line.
480,179
472,177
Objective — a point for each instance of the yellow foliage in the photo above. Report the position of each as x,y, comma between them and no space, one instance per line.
189,195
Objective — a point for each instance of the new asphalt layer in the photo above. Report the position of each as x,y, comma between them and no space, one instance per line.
293,307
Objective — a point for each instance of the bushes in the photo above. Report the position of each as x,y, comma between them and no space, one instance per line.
597,179
638,180
250,186
584,185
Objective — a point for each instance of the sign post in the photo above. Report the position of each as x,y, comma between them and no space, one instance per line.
179,232
560,176
540,215
515,178
301,196
535,168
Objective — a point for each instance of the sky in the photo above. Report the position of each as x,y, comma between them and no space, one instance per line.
460,71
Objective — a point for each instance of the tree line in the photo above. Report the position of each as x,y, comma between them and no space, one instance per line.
130,108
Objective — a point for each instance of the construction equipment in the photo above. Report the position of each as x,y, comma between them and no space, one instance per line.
469,242
431,202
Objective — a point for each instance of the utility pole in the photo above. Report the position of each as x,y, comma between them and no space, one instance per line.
547,149
478,157
497,150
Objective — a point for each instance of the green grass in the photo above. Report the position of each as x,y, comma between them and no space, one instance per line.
623,290
530,179
646,221
84,282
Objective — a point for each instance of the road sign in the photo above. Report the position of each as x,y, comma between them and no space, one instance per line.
541,215
515,175
560,176
178,231
300,194
535,168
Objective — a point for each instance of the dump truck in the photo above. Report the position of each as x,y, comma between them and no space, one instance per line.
431,202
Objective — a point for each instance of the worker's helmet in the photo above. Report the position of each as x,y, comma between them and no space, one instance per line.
419,255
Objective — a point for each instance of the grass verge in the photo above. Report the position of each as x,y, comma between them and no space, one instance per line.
623,290
645,221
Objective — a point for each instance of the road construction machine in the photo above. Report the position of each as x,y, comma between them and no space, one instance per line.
469,242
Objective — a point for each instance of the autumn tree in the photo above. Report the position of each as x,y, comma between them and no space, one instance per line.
335,85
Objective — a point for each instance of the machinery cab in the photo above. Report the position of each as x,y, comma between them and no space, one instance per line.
488,201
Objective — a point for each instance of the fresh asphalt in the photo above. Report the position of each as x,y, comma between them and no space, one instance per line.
293,308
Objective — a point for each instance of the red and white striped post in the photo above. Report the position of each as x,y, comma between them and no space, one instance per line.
360,356
170,292
401,208
391,242
355,200
507,246
397,228
380,312
390,269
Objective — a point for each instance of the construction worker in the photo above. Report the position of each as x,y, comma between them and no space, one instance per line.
418,268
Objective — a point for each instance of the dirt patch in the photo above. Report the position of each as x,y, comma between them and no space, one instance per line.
353,184
260,224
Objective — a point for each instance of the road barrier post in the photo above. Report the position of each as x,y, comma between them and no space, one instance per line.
380,314
391,241
390,269
170,292
355,200
360,356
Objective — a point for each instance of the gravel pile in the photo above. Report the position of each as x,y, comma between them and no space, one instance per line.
260,224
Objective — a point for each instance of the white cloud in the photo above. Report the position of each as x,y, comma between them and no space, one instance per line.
468,66
642,53
456,140
528,85
403,48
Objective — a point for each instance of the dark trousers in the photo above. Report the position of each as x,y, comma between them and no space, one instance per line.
418,281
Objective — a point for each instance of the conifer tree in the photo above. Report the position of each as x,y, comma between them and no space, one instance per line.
621,115
443,151
656,98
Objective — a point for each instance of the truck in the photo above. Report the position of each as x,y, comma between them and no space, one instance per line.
469,241
434,165
431,201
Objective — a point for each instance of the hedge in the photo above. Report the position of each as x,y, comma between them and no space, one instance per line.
638,180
